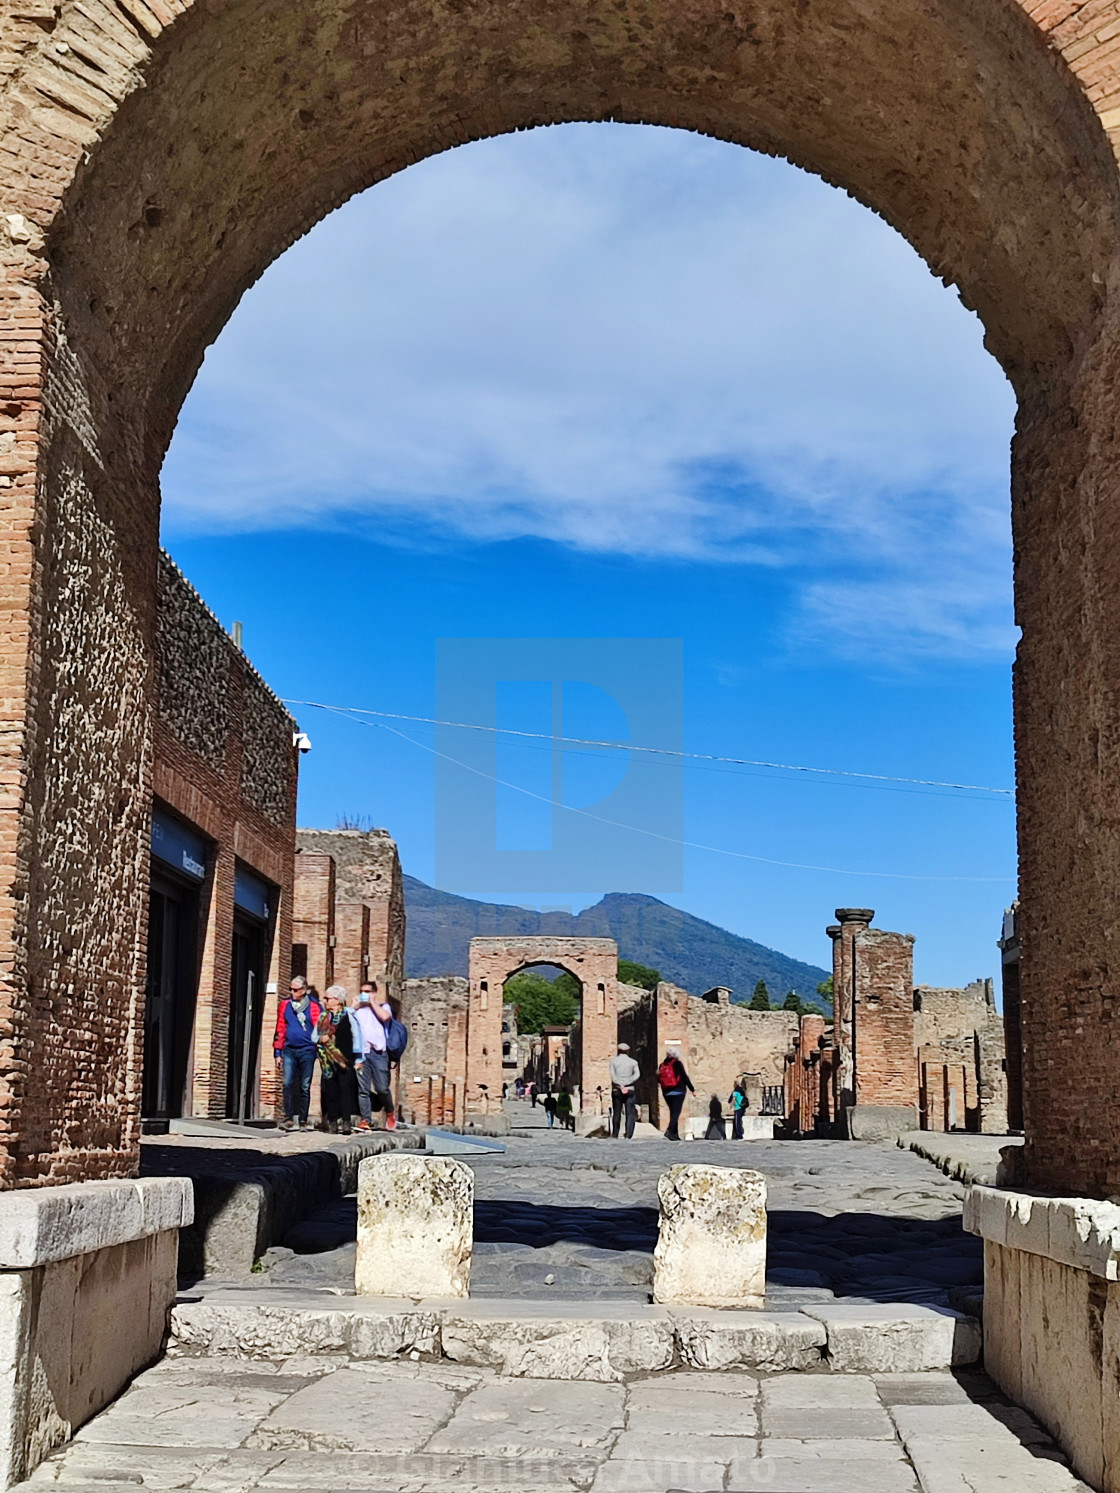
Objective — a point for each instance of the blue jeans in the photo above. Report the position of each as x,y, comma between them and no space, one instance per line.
299,1065
375,1093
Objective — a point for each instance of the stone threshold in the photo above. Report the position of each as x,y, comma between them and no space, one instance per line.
601,1341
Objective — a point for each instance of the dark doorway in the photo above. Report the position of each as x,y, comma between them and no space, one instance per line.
171,992
253,902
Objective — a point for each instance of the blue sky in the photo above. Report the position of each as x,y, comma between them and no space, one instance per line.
610,382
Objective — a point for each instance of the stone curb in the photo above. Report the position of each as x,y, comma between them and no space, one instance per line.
1077,1232
606,1342
245,1203
43,1225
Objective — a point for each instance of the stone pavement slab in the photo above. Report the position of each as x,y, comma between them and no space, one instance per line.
288,1425
520,1419
335,1413
827,1425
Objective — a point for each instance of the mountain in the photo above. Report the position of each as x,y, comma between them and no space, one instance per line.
688,951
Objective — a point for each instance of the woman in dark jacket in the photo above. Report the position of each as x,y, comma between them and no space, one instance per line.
338,1083
675,1083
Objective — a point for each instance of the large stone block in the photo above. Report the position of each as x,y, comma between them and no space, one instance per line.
279,1323
38,1227
73,1332
770,1341
878,1122
899,1338
415,1226
600,1341
711,1242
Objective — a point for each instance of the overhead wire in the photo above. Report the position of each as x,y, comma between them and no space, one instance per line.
626,746
357,715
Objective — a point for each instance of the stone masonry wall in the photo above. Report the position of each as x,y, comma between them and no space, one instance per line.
962,1026
717,1043
434,1010
207,788
367,870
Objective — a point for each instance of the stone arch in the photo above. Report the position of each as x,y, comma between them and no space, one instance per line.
160,153
493,961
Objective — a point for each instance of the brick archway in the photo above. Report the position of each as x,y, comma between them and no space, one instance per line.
594,963
160,153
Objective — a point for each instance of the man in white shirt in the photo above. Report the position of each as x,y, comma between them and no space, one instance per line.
374,1091
624,1075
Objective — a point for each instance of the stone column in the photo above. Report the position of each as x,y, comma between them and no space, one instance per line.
711,1239
852,921
415,1226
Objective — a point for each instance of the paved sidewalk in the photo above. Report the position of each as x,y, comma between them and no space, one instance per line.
964,1157
321,1425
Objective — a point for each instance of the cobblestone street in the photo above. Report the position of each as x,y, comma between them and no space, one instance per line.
558,1217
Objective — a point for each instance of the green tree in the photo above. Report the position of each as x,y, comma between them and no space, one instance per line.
824,989
792,1002
760,1000
541,1002
638,974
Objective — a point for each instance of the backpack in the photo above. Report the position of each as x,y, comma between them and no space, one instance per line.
667,1075
396,1039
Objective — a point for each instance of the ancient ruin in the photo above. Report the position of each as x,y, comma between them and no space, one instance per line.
161,153
898,1056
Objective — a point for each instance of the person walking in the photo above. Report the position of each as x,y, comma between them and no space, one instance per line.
374,1016
624,1075
338,1082
533,1095
717,1125
550,1109
738,1102
674,1083
563,1103
293,1045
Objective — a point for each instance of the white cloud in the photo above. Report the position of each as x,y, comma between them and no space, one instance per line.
631,340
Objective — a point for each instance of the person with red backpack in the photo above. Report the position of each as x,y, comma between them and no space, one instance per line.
675,1083
295,1043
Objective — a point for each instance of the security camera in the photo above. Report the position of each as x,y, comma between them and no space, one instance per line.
302,741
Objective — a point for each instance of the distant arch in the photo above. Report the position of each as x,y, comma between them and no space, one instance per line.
493,961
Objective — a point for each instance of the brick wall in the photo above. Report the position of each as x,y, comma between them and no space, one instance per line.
313,926
883,1018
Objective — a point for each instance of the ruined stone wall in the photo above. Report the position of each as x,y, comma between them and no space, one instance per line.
725,1041
717,1043
352,958
200,773
962,1028
637,1025
803,1078
368,870
434,1010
